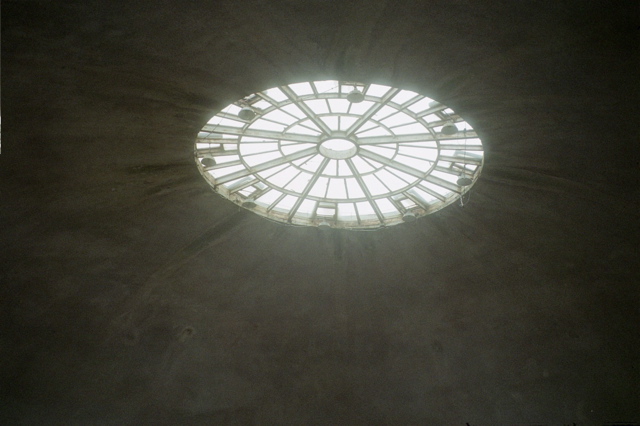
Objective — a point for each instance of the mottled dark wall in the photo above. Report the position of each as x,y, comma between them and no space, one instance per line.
132,294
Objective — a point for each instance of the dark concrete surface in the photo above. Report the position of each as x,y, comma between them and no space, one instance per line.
132,294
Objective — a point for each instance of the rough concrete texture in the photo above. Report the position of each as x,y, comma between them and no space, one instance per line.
132,294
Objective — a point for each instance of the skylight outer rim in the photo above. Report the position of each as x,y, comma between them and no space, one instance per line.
379,218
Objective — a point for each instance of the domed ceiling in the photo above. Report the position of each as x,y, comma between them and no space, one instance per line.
133,294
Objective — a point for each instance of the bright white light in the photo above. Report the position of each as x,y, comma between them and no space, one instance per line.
310,156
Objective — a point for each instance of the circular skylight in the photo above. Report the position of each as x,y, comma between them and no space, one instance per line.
339,154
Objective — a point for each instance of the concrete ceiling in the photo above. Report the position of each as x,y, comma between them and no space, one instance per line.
132,294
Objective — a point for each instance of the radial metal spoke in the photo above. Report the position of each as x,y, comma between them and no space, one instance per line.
308,188
275,203
448,170
467,160
267,165
431,110
422,137
449,147
242,184
371,111
418,200
432,192
218,151
364,188
267,134
307,111
415,157
442,183
392,163
224,165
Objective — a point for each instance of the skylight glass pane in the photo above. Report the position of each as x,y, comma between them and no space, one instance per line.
331,122
360,108
329,86
232,109
261,124
384,112
270,172
423,196
346,122
426,152
318,106
445,176
386,206
367,126
391,181
410,129
347,211
221,159
339,106
435,188
421,105
320,187
408,203
397,119
354,189
254,148
299,183
392,146
403,96
295,147
374,186
217,173
373,163
361,166
282,149
303,130
348,87
276,94
310,125
343,168
261,104
364,209
268,198
294,110
406,177
337,189
331,168
307,207
386,152
301,89
310,164
256,159
286,203
377,90
421,165
377,131
280,117
284,177
227,122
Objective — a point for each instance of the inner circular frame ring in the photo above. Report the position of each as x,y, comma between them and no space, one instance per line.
338,154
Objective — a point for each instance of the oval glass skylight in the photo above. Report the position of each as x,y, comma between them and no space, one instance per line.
339,154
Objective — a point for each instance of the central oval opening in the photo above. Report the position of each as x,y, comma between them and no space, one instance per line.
338,149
